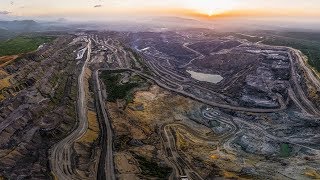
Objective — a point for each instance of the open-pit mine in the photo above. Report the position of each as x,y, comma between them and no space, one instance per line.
187,104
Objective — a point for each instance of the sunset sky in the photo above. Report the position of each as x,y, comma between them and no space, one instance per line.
201,8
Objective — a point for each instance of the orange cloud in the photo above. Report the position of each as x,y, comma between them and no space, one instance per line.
255,13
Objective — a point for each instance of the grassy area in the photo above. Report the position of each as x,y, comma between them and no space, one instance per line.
311,173
181,142
23,44
285,150
92,133
117,90
4,83
5,34
151,168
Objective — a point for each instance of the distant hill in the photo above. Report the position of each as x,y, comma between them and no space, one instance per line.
172,22
20,26
62,20
172,19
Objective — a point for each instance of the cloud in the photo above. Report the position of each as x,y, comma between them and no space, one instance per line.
97,6
4,12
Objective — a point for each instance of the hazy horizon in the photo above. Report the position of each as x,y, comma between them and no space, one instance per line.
226,15
206,9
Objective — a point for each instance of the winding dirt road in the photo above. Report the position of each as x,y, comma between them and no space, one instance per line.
297,87
307,69
61,153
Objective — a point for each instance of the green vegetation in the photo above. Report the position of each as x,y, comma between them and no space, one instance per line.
117,90
311,36
151,168
285,150
5,34
23,44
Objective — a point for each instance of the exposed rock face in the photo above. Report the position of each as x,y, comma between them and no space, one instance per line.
137,133
38,108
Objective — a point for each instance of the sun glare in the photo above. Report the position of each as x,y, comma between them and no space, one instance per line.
211,7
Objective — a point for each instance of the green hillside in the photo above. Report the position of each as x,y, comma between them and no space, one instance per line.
22,44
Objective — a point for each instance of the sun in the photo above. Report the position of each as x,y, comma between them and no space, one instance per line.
214,11
210,13
211,7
